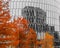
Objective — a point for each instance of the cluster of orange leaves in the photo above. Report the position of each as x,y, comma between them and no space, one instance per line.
17,33
14,33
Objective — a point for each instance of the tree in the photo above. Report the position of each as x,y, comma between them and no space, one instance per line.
7,29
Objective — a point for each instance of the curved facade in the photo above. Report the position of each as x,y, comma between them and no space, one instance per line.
49,6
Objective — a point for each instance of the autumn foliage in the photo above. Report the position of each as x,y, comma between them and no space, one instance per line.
17,33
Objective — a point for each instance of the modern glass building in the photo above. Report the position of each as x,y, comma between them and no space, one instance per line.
49,6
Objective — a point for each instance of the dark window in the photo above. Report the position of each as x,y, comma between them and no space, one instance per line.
38,20
32,26
31,20
45,27
38,28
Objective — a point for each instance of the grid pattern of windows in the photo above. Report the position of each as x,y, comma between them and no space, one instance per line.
36,17
49,6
